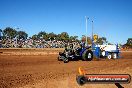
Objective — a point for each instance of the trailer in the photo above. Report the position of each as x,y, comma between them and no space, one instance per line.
106,51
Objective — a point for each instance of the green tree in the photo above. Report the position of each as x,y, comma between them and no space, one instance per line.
10,32
129,41
64,36
34,37
101,40
73,38
58,37
52,36
88,39
22,35
41,34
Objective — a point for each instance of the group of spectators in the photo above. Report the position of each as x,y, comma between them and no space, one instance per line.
30,43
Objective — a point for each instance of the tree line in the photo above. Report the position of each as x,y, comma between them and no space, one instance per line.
11,33
128,43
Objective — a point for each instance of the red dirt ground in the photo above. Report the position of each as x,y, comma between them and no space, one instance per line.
45,71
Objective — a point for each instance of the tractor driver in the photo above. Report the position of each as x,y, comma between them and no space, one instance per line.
69,47
79,49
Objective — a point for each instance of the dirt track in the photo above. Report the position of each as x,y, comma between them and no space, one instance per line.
46,72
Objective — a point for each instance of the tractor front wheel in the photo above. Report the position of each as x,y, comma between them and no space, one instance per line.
59,58
65,60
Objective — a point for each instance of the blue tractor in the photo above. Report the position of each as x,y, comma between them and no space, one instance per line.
83,53
87,53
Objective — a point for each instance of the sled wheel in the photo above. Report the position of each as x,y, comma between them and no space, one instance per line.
109,56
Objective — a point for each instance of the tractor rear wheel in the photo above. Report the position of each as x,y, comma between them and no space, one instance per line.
87,55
